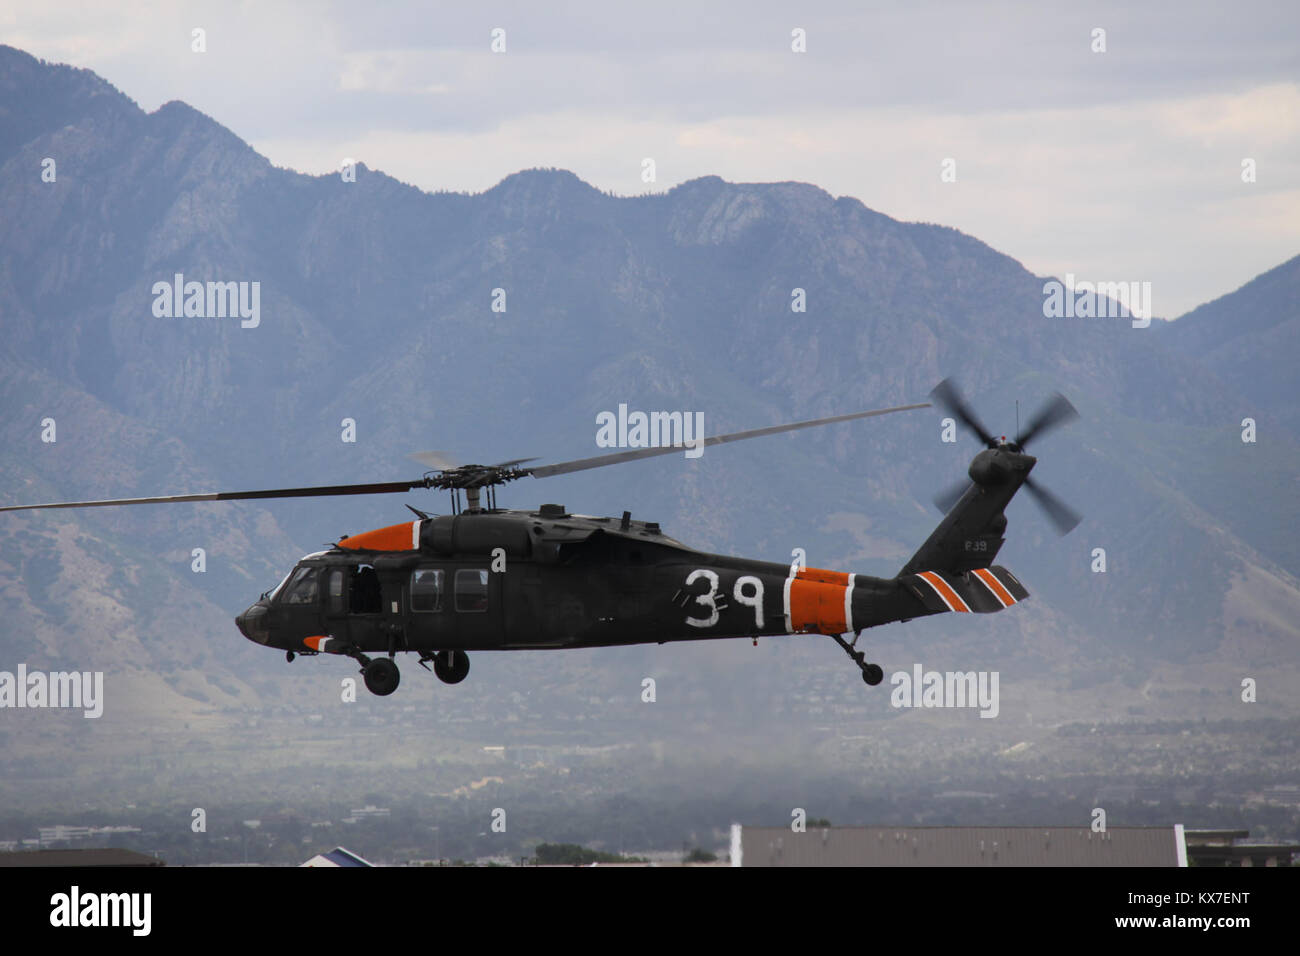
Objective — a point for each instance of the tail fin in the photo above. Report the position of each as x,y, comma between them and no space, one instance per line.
970,535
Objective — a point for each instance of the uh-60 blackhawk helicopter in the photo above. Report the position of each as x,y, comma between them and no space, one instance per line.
490,579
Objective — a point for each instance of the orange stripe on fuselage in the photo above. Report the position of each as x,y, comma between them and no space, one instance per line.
825,577
817,606
396,537
991,579
950,597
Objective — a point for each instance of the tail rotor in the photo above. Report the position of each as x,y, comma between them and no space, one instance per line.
1055,413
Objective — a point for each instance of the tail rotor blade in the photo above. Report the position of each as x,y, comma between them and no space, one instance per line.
946,395
1057,412
1062,515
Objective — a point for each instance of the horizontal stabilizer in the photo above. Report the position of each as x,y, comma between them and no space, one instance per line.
981,590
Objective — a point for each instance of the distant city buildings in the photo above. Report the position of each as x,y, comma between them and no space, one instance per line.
48,836
368,812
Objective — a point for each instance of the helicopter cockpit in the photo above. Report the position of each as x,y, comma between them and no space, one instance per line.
323,585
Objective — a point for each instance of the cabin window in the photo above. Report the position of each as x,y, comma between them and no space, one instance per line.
426,590
472,590
334,590
301,588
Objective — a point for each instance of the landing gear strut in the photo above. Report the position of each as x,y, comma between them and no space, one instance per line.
872,674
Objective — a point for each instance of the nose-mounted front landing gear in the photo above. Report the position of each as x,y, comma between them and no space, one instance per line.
872,674
380,673
381,676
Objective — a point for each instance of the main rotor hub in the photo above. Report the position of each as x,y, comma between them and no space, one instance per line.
473,476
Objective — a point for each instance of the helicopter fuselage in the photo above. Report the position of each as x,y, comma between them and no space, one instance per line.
514,580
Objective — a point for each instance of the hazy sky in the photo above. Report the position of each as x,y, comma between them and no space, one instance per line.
1116,165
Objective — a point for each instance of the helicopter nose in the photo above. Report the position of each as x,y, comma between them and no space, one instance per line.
252,624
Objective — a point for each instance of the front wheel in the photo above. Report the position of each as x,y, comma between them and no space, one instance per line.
873,674
382,676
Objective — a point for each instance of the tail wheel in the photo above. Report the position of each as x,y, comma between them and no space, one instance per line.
452,667
382,676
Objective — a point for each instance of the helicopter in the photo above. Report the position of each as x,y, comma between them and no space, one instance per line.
484,578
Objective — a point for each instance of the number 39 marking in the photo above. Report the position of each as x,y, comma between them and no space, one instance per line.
748,591
709,600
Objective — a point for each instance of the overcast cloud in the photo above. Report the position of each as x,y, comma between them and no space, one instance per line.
1119,165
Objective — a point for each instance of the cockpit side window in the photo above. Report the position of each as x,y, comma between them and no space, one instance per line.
302,587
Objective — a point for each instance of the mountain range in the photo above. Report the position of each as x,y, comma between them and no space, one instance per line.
377,305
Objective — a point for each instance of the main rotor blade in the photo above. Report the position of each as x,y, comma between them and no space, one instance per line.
389,487
946,394
398,487
1055,413
1063,516
600,461
945,499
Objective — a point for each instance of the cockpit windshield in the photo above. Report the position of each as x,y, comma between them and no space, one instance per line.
271,594
302,587
297,575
